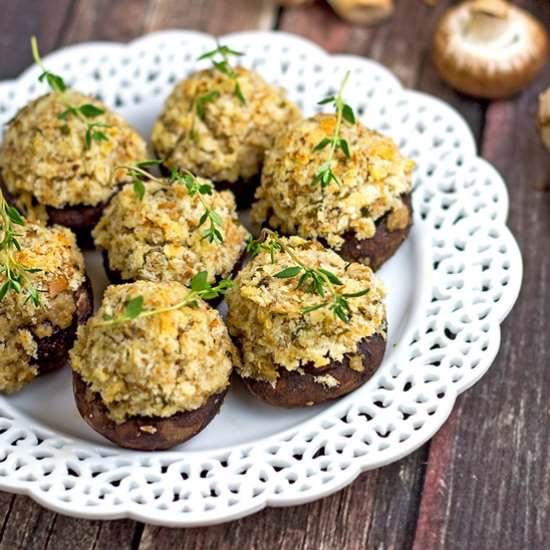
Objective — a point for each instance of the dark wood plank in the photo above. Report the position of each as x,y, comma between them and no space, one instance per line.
28,526
20,20
126,19
342,520
488,476
213,16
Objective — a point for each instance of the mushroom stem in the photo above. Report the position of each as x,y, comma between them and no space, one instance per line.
489,21
544,118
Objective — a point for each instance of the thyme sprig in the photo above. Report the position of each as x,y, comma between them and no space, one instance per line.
14,275
213,233
199,106
200,288
344,112
223,66
87,113
313,280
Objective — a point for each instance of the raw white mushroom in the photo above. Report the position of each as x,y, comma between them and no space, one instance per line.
489,48
363,12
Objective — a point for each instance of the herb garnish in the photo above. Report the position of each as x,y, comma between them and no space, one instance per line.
200,288
224,66
199,106
325,175
312,280
86,113
14,273
213,233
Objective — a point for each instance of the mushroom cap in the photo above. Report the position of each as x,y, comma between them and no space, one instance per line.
363,12
544,118
489,48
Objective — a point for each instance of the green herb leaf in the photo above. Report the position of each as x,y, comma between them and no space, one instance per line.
139,189
331,277
341,314
199,281
4,289
203,100
345,147
327,100
322,144
206,189
288,272
357,294
66,113
203,219
134,307
14,215
88,138
310,309
55,82
91,111
348,114
238,92
216,218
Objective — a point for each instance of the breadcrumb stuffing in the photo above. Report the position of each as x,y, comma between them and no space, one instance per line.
45,157
156,365
159,238
232,138
266,313
54,251
371,183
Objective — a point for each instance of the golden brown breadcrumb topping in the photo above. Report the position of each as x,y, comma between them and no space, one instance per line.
266,313
159,238
53,250
372,183
45,157
156,365
232,138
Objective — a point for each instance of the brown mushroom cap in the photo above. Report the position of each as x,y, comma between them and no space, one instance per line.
544,118
489,48
363,12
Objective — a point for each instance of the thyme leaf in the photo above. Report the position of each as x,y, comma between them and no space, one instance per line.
134,308
13,274
223,66
85,112
213,233
313,280
344,112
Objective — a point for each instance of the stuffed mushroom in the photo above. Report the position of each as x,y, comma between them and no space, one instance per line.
171,230
364,212
52,167
152,377
310,326
221,132
40,314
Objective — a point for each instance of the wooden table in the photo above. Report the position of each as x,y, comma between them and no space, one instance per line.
484,481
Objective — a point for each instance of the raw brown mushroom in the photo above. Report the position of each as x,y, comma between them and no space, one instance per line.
489,48
363,12
544,118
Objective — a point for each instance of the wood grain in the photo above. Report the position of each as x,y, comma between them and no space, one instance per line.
21,19
488,479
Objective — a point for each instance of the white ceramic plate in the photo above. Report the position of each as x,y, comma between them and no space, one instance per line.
451,285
